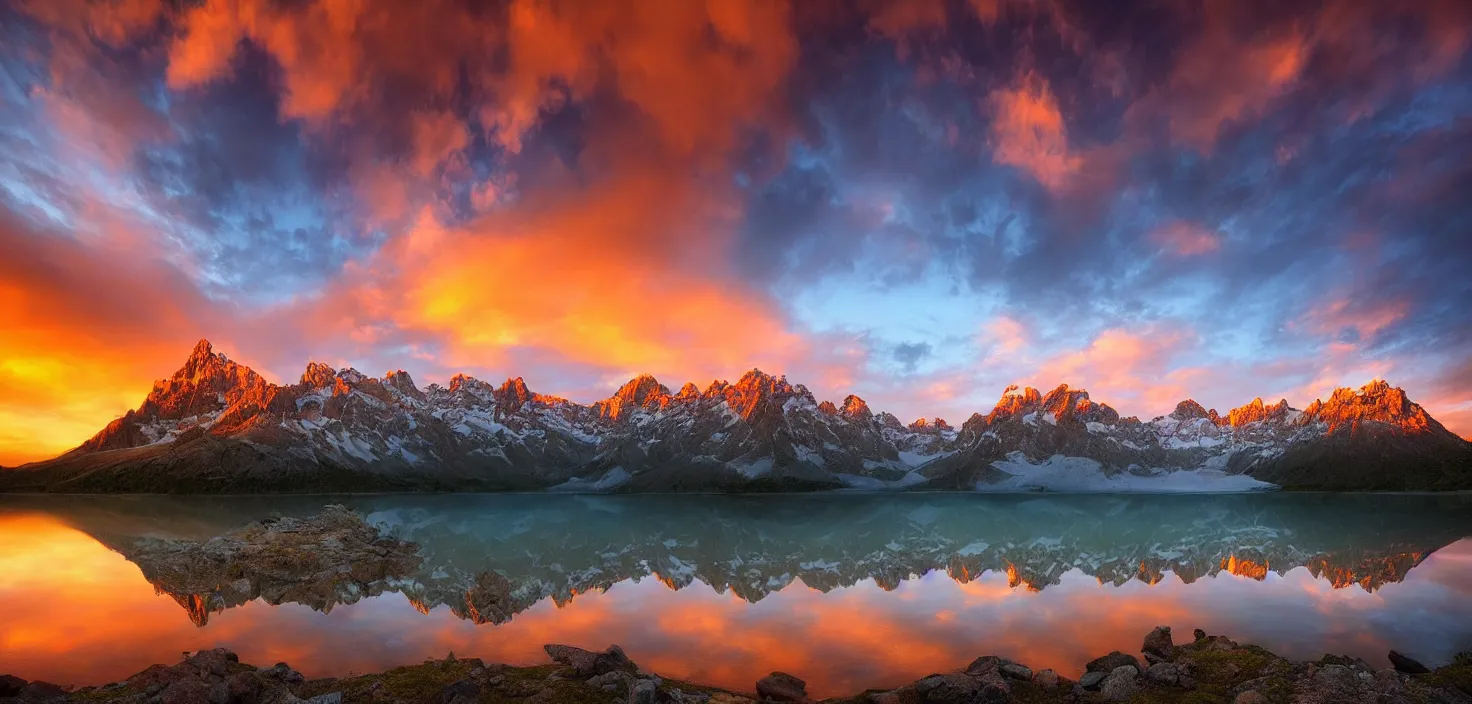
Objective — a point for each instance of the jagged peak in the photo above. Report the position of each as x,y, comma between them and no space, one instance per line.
206,385
688,392
827,408
351,375
757,377
400,381
461,381
753,390
640,389
203,350
318,375
643,391
923,424
1376,386
513,394
1375,402
1189,409
1255,411
397,377
716,388
855,408
202,358
1014,402
889,420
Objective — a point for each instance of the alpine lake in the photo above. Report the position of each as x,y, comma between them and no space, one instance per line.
853,591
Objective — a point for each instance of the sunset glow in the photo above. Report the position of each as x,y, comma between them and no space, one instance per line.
919,203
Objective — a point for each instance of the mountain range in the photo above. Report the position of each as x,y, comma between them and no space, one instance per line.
216,426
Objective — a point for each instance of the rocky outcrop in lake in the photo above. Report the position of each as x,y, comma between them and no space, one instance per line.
331,558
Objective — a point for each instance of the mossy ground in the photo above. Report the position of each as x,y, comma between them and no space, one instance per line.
1457,675
499,684
1220,669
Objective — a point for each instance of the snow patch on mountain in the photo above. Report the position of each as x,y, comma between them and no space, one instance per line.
1081,474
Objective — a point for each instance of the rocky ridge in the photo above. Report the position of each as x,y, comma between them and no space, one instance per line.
1207,669
217,426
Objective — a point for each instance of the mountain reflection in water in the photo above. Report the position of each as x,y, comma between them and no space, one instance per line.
849,591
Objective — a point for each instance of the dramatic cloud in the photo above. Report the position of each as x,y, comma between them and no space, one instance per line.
918,202
1028,132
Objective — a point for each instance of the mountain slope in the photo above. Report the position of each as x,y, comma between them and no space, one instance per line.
217,426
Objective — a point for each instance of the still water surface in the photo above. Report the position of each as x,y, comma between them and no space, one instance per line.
848,592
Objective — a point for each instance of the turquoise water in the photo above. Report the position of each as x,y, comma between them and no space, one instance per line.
849,591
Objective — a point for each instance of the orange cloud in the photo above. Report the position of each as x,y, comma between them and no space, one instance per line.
1127,369
1005,334
1028,132
334,54
548,290
1365,317
697,70
1183,238
1221,80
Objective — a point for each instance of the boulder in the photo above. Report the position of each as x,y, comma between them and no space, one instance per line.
611,681
588,663
1167,673
782,687
1158,646
1109,663
646,691
949,689
1407,665
462,692
994,691
1121,684
215,663
1014,671
242,687
282,671
984,665
1092,680
185,690
1047,679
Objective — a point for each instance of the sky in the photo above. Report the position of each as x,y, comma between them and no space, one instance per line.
919,203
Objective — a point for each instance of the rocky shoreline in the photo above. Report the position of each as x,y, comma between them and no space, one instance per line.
1208,669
